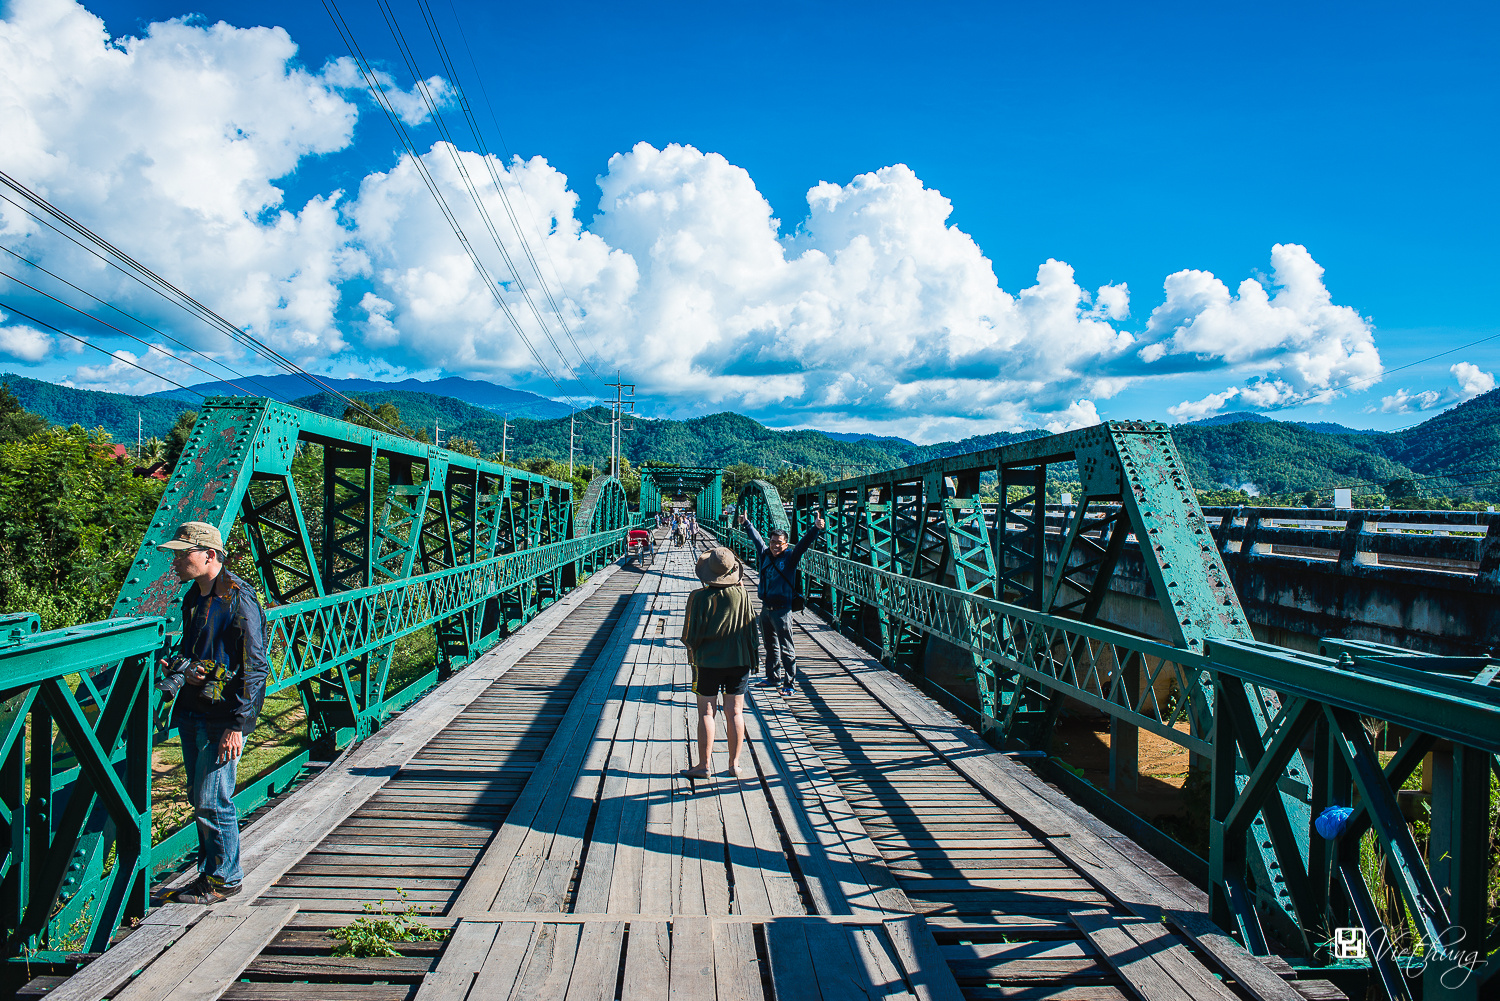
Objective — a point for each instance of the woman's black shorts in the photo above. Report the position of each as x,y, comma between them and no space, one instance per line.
708,680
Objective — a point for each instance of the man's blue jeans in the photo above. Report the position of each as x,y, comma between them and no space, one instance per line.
211,792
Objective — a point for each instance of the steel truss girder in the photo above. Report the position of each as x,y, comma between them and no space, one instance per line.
705,481
75,771
1133,482
398,536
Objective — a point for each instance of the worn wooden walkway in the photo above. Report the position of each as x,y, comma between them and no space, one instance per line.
532,807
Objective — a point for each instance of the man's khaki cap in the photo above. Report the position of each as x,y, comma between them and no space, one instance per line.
195,535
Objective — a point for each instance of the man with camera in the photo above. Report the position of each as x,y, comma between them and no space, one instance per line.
778,595
219,682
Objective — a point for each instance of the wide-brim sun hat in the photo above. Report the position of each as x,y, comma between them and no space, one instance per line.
719,567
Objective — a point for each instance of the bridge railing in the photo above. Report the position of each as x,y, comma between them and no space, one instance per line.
76,710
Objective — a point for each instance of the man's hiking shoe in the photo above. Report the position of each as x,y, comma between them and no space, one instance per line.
787,689
765,683
205,890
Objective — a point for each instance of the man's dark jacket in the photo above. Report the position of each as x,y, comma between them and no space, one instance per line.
243,643
778,574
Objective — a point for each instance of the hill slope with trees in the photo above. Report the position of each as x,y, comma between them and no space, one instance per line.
1455,454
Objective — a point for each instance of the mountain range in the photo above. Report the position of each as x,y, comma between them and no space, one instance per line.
1455,453
288,388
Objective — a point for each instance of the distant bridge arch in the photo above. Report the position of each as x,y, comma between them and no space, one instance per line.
706,481
603,508
760,502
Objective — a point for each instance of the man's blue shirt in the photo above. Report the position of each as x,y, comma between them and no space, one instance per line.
778,574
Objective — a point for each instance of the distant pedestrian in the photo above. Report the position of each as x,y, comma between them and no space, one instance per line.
219,679
718,630
778,591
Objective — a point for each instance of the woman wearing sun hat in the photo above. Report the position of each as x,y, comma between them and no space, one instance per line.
719,632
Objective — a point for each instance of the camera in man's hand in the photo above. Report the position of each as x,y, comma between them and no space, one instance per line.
173,676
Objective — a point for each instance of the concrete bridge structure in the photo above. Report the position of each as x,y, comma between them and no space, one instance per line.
521,808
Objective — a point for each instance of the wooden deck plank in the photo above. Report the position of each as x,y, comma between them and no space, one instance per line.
736,967
597,968
793,975
1134,962
692,967
502,964
549,965
648,959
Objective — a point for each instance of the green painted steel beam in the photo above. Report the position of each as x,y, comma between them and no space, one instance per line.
59,653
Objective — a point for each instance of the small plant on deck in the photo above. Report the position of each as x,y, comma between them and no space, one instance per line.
373,934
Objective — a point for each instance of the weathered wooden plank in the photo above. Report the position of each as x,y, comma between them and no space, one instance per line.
793,975
463,956
597,968
215,967
880,965
692,969
1247,971
1133,962
648,959
1172,956
841,976
921,961
550,964
173,966
502,965
104,975
736,968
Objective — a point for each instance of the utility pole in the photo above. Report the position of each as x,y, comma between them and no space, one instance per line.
620,404
437,433
137,437
504,437
572,440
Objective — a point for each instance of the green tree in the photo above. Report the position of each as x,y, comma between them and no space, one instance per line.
1401,490
16,422
177,438
71,519
384,417
463,446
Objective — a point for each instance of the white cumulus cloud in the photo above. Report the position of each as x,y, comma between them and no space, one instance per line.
19,342
870,310
1472,381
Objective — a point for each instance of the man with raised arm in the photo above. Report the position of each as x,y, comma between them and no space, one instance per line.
221,667
778,591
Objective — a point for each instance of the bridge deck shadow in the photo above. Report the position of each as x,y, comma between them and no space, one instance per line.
543,823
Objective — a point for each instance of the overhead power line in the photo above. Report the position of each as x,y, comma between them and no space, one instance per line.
495,178
90,344
135,319
148,345
64,224
500,134
378,93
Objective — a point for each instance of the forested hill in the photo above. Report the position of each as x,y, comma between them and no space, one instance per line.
115,412
1451,454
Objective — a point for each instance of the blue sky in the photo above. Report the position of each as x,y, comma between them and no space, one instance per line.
1130,143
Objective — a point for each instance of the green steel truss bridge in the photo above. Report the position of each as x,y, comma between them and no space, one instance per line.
706,482
521,798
